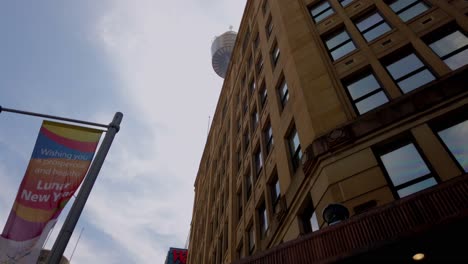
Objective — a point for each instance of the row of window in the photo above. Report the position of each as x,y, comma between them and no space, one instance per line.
405,9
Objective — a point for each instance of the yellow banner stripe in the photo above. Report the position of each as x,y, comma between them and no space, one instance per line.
32,214
84,134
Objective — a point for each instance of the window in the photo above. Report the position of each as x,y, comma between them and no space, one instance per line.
263,218
254,120
275,53
339,44
246,40
406,169
246,140
259,65
345,2
264,6
249,61
366,93
283,92
409,72
294,148
248,185
246,105
268,135
239,158
256,41
258,161
239,204
372,26
251,239
452,48
321,11
243,80
252,86
454,137
240,250
308,217
408,9
263,95
275,190
269,27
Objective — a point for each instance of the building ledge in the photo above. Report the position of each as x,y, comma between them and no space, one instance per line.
442,206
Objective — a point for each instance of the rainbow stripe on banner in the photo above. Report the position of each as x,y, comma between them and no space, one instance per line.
59,162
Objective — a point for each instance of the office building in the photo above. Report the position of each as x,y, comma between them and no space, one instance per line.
354,104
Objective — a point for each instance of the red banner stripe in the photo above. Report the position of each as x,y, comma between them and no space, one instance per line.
73,144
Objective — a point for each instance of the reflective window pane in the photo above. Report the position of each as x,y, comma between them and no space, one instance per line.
371,102
346,2
404,66
314,222
369,21
377,32
343,50
413,11
458,60
404,164
398,5
337,40
416,187
319,8
416,80
449,43
326,14
363,86
456,138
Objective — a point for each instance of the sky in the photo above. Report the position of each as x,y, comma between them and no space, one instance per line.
150,60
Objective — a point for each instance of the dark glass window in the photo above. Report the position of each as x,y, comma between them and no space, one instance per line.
268,134
339,44
262,216
283,92
275,190
251,239
259,65
455,139
408,9
246,140
345,2
263,95
275,53
239,158
239,204
452,48
256,41
252,86
294,148
240,250
269,27
372,26
321,11
246,105
409,72
407,170
254,120
366,93
264,6
258,161
249,61
248,185
308,217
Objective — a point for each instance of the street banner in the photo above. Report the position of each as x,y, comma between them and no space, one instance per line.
58,165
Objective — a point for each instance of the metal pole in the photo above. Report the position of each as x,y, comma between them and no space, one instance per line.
69,225
3,109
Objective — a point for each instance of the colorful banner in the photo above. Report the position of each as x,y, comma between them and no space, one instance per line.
59,162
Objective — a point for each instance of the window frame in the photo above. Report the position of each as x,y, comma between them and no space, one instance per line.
396,143
318,4
259,163
262,212
268,137
275,54
367,15
358,77
334,34
446,121
398,56
408,7
441,33
296,154
284,98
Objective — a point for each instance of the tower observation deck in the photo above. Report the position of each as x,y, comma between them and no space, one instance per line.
221,50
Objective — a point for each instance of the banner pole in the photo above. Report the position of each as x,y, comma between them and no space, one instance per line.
69,225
